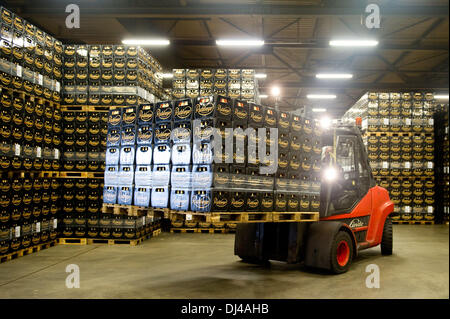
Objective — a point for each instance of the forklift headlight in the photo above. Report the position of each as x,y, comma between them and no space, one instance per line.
325,122
330,174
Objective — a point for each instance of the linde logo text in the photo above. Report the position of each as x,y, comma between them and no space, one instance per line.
356,223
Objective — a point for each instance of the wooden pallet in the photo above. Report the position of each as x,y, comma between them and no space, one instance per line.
33,97
73,241
126,210
400,133
49,174
27,251
85,108
203,230
43,100
413,222
216,231
131,242
183,230
401,177
81,174
31,173
295,217
221,217
243,217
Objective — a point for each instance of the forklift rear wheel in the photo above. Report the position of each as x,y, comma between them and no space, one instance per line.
341,252
386,240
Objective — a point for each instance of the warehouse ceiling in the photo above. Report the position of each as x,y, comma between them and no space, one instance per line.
412,51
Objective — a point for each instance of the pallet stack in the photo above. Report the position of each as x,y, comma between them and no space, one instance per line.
164,155
234,83
235,189
30,59
128,174
441,120
127,223
30,136
97,79
84,146
110,75
398,130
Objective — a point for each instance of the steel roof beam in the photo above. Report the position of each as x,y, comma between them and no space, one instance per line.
318,45
412,85
227,9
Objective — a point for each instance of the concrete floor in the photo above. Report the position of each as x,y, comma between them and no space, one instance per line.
203,266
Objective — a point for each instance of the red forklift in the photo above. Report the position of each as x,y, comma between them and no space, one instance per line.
354,214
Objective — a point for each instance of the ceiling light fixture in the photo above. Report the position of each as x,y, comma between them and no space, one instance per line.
441,97
146,41
263,96
321,96
334,76
260,75
240,43
317,110
353,43
167,75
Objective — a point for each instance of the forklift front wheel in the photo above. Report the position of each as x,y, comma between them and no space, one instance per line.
341,252
386,239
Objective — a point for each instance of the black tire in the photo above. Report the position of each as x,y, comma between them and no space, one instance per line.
386,239
340,261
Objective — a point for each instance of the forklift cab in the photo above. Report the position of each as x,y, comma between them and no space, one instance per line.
346,174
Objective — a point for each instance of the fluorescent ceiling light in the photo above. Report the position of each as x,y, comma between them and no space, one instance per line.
334,76
240,43
263,96
146,41
441,97
260,75
319,110
353,43
167,75
321,96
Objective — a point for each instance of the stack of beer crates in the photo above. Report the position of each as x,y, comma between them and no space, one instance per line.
97,79
398,131
30,135
441,119
174,155
238,84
